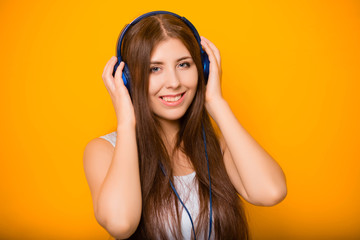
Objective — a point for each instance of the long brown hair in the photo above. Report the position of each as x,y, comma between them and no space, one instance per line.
158,197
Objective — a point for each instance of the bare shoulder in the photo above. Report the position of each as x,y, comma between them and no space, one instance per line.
96,160
98,150
99,144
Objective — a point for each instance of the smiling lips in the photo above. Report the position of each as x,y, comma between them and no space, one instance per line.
172,100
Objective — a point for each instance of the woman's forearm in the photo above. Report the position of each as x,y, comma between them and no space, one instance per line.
261,176
119,201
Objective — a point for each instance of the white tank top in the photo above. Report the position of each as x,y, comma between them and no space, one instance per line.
187,188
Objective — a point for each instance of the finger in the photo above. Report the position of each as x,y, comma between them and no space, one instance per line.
107,75
210,53
118,74
212,46
214,49
109,67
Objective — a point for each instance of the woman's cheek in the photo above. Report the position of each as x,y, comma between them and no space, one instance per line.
154,85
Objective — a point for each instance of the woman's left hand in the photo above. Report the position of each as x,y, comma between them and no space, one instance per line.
213,87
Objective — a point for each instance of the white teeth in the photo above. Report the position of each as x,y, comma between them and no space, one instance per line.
171,99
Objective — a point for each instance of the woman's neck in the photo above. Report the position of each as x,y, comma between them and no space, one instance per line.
180,163
169,131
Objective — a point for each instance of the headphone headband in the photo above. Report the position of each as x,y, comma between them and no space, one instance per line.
136,20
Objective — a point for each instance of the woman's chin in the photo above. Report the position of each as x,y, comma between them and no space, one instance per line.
175,117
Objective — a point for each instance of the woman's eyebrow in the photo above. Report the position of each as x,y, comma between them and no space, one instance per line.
183,58
178,60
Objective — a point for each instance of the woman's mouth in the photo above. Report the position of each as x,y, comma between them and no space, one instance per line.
172,100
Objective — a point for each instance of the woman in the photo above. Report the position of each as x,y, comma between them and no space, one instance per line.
167,175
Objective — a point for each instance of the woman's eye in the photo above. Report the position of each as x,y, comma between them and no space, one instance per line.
154,69
184,65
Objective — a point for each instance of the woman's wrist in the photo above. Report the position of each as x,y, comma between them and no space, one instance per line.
123,127
215,107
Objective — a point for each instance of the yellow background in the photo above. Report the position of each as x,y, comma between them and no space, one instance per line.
291,75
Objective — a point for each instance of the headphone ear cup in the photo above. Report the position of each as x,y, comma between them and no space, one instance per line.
115,67
125,74
126,77
206,65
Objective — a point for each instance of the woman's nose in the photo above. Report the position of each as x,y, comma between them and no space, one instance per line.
172,79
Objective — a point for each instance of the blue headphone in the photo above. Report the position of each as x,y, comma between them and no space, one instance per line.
126,73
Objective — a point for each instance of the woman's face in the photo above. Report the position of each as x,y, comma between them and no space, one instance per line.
173,79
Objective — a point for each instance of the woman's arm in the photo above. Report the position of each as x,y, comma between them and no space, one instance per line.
113,173
114,181
254,173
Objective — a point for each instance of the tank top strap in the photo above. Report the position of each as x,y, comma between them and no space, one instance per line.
111,137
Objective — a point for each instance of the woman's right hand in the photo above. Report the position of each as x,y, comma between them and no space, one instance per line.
119,94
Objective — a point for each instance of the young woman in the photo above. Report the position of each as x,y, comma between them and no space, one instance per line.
164,173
